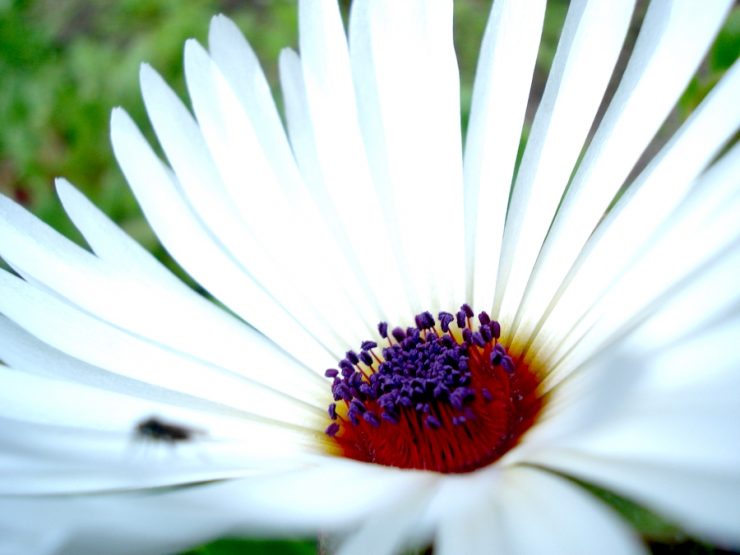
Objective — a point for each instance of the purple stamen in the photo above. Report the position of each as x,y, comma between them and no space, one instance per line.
486,334
445,319
388,417
371,419
458,420
467,336
507,364
357,405
495,328
420,371
398,334
433,422
477,339
462,321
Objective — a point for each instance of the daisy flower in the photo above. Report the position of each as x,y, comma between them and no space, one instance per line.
404,342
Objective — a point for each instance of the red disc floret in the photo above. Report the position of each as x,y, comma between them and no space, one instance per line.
443,395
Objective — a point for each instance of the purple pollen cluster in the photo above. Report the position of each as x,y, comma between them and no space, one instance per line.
423,369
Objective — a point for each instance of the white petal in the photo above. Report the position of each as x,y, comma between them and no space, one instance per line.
302,136
713,289
276,224
142,523
670,442
39,459
287,504
541,513
408,101
56,388
675,406
199,252
386,532
647,205
23,351
323,108
211,198
100,344
120,293
109,242
675,366
475,532
589,46
524,510
239,65
502,81
681,256
672,41
467,520
703,503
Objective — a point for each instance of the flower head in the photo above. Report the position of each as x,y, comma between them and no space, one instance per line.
407,342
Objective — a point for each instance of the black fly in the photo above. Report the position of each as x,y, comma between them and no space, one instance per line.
154,429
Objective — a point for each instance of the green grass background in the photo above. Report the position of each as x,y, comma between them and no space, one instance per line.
65,63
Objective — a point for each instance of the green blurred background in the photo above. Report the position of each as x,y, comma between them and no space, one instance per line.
65,63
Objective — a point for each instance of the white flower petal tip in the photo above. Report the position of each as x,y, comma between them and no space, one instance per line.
395,341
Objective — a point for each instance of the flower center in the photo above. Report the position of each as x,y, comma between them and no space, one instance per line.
443,395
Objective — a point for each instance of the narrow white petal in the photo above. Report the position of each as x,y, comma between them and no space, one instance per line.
51,459
466,519
192,245
701,230
120,294
340,175
62,327
673,367
302,136
58,409
239,66
703,503
502,81
473,532
143,523
674,315
408,101
647,205
673,405
541,513
53,387
673,39
523,510
589,46
109,242
386,532
211,199
669,442
260,199
286,504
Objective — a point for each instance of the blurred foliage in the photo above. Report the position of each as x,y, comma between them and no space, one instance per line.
256,547
65,64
